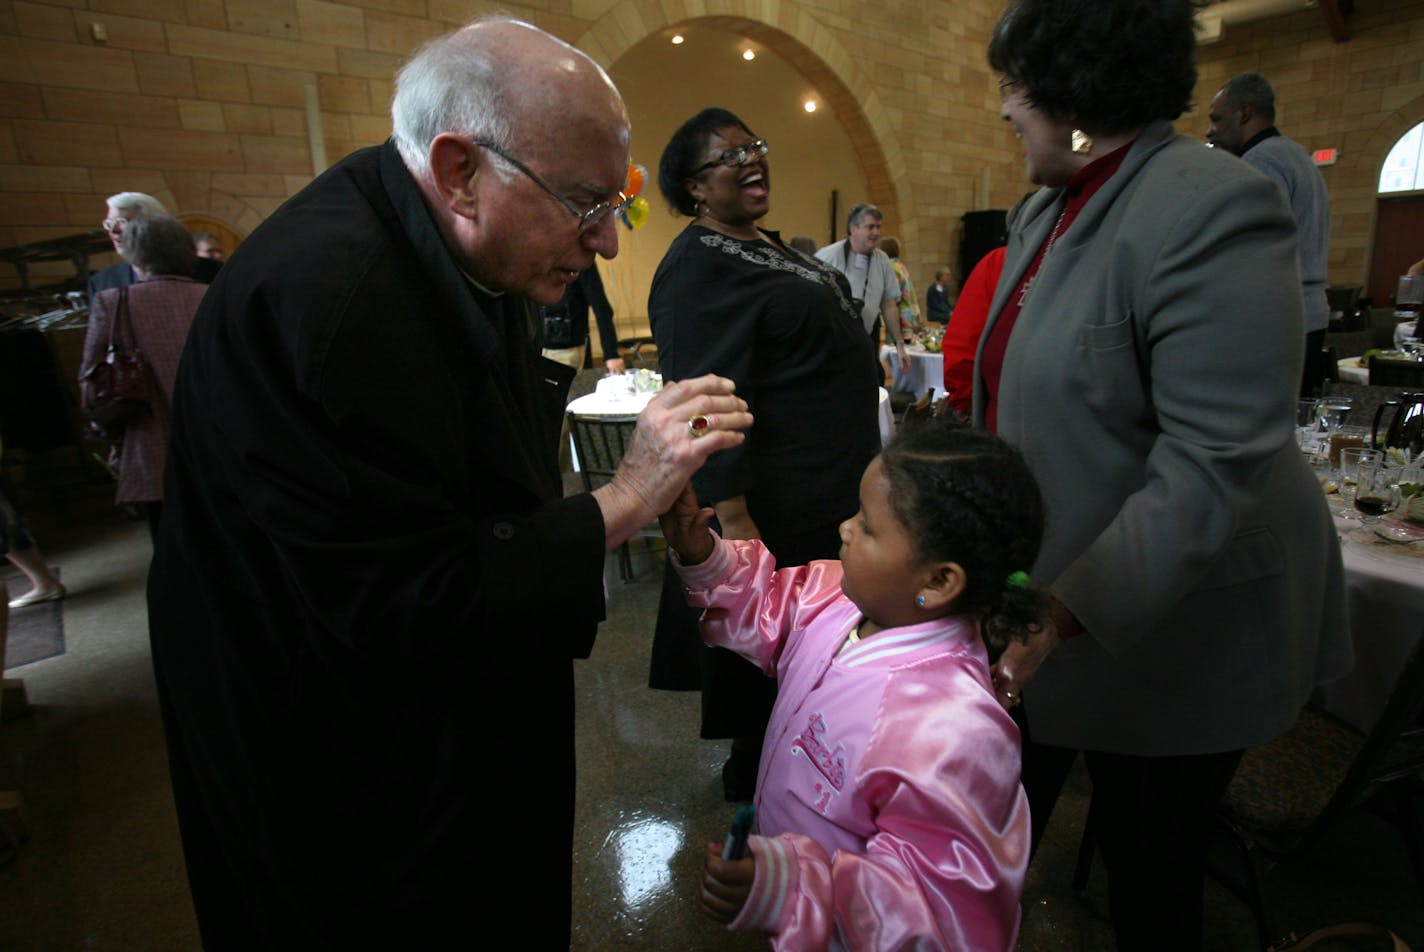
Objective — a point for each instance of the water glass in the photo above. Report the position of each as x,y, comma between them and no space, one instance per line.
1325,472
1305,424
1330,412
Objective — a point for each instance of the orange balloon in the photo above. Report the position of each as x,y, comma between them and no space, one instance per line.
637,175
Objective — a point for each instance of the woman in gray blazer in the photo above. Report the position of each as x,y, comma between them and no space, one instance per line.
1143,350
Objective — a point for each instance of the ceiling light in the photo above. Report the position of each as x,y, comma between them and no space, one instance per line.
677,39
748,55
810,105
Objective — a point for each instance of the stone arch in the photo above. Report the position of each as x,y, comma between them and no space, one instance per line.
1372,152
1389,131
788,29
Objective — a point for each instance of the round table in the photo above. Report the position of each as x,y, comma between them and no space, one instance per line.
926,369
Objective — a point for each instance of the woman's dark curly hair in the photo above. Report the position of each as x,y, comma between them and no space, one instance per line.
1112,65
965,496
684,153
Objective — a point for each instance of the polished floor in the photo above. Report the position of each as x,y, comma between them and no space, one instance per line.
103,869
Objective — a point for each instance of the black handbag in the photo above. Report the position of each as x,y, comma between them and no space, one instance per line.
119,387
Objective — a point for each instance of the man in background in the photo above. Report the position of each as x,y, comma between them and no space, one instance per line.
1242,116
872,279
566,325
209,246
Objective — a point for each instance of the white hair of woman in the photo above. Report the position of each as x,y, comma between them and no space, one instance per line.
450,85
146,205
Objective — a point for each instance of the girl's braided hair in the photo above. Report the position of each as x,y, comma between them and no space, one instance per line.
967,497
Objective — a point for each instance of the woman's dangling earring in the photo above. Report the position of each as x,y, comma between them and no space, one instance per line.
1082,142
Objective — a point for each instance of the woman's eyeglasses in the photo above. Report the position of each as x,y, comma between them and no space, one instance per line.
1007,87
587,220
738,156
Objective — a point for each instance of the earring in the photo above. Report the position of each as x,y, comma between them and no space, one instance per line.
1081,141
920,601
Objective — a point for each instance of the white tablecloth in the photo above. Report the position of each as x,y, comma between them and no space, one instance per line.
886,417
1351,371
926,369
602,405
1385,589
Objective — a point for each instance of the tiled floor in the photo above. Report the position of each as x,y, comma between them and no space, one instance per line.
104,868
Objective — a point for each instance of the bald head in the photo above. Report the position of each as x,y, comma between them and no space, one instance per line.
506,82
519,145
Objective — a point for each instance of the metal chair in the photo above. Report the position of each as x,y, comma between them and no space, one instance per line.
599,443
1289,793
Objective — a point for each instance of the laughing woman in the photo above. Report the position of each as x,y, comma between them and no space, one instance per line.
731,298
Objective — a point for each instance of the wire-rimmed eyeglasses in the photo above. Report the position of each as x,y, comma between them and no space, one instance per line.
738,156
114,225
586,219
1008,86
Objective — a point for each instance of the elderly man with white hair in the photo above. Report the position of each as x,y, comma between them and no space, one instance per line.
367,592
125,207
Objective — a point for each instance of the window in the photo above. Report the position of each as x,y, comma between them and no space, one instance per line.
1404,166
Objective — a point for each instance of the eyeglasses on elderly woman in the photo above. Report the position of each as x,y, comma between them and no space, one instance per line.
738,156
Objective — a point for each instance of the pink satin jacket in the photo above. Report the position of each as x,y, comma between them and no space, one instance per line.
888,800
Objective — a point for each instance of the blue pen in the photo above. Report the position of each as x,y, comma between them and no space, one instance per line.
736,845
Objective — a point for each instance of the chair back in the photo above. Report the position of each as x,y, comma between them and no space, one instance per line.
1382,325
600,443
920,412
1385,372
1348,343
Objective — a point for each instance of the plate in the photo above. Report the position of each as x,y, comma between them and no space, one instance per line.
1397,533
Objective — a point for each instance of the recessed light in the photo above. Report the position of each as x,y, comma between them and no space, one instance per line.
677,39
748,55
810,105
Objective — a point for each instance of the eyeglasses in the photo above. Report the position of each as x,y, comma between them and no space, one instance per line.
114,225
1007,87
738,156
587,220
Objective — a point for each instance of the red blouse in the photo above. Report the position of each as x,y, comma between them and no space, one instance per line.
1081,187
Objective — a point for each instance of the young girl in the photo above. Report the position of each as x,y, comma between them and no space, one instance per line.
888,802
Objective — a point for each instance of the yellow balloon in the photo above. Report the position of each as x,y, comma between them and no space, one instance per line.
637,212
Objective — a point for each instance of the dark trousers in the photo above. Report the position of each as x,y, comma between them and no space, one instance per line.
1150,817
1312,376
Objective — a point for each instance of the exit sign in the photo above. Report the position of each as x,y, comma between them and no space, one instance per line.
1325,156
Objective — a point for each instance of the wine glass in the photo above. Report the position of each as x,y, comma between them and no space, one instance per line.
1330,412
1376,491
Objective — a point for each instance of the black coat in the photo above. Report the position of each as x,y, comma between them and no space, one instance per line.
367,594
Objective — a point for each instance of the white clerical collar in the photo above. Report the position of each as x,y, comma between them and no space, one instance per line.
480,287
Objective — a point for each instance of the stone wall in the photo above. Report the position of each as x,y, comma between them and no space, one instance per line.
201,102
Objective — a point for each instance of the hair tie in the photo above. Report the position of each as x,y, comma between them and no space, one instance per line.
1017,579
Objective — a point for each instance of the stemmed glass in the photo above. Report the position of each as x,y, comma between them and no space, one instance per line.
1376,491
1330,412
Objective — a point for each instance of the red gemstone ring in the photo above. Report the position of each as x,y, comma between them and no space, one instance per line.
699,426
